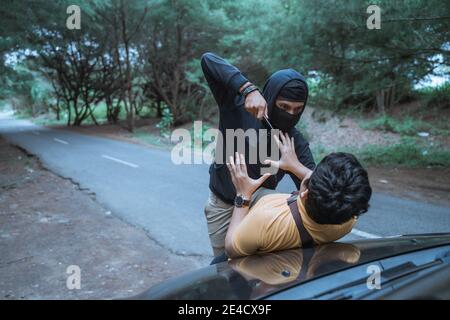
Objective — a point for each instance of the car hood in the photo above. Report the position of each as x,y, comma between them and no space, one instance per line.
258,276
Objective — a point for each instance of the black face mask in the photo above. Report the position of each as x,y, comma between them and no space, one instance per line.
283,120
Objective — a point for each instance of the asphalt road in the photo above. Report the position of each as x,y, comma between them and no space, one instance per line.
143,187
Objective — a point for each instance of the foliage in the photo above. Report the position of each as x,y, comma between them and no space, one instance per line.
355,64
408,152
130,55
406,126
166,122
438,97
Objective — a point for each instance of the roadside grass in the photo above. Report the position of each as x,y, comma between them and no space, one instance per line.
319,152
409,152
143,135
303,128
4,105
49,119
43,120
436,97
408,126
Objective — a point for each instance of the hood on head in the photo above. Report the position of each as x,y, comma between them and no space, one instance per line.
275,83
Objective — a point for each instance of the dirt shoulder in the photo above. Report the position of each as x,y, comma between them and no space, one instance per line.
48,224
431,185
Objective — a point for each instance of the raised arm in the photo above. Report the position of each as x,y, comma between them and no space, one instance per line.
226,81
304,155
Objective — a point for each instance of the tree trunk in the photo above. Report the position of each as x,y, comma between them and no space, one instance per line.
380,101
58,109
159,109
69,116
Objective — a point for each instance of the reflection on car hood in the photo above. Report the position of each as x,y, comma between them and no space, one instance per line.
257,276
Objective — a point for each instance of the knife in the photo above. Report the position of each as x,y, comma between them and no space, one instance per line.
268,122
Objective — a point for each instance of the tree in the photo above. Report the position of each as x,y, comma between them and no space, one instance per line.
178,32
124,21
356,66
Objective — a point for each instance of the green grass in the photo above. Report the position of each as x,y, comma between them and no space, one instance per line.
318,151
436,97
151,138
4,105
408,126
409,152
160,140
99,112
303,128
49,121
197,136
21,115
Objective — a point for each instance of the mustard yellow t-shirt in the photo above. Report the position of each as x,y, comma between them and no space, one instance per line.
269,226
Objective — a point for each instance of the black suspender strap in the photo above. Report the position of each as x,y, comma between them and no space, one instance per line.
308,253
305,237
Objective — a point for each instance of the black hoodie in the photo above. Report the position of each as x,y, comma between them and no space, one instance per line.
224,80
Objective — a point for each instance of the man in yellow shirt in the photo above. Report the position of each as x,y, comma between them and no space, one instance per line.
325,209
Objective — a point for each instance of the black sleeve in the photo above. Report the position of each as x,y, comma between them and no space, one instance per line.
223,79
303,153
296,180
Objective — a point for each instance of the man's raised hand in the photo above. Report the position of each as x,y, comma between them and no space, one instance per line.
244,185
256,104
289,160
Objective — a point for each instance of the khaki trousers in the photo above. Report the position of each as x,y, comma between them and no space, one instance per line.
218,216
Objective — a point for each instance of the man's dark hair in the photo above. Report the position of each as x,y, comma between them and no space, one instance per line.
339,189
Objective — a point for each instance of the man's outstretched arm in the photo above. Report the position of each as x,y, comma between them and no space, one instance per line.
245,186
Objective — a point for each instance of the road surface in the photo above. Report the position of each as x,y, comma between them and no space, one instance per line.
143,187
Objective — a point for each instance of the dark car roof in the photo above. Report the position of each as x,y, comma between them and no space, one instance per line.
257,276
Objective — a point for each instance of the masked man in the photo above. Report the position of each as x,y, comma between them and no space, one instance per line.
243,106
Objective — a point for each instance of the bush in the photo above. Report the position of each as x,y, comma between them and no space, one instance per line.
200,136
319,152
303,128
406,126
408,152
166,122
437,97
